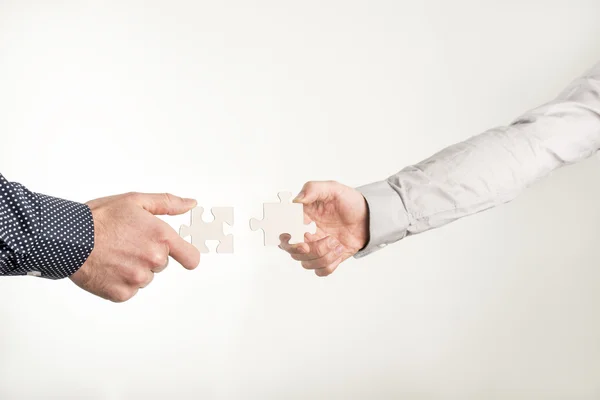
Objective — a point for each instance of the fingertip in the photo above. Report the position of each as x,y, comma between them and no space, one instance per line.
306,193
193,263
197,263
182,206
284,238
184,253
299,197
310,237
190,203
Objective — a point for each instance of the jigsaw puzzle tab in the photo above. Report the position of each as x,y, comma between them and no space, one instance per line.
282,217
201,231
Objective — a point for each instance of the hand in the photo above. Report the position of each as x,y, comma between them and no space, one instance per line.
342,218
131,244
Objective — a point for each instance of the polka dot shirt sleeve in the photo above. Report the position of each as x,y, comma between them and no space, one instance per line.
40,235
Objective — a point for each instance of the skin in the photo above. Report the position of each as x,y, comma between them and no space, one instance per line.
342,218
132,244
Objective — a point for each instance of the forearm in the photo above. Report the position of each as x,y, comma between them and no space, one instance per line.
42,235
489,169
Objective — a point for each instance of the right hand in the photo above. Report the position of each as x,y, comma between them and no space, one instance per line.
342,218
131,244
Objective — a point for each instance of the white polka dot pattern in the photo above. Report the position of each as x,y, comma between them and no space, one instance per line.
41,235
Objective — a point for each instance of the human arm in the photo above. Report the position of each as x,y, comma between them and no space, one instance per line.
110,247
479,173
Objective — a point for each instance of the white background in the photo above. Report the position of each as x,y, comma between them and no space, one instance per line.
233,101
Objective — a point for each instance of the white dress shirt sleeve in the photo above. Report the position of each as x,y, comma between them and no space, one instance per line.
486,170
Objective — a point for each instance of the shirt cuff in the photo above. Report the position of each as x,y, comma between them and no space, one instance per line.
388,219
64,240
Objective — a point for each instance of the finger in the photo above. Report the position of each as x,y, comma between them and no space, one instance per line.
183,252
317,249
307,219
312,237
329,269
138,277
298,248
324,261
161,267
315,191
119,293
157,257
164,203
149,279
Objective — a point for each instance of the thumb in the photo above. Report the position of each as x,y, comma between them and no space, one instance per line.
315,191
165,203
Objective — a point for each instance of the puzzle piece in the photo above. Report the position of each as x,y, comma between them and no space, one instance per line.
201,231
282,217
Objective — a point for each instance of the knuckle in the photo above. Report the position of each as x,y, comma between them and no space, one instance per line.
308,186
133,195
321,250
331,257
321,262
147,280
120,295
168,198
138,277
157,259
133,275
161,235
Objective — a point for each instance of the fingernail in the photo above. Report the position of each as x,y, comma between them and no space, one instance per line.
339,250
299,197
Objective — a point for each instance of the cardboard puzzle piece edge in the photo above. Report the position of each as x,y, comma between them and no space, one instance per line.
282,217
201,231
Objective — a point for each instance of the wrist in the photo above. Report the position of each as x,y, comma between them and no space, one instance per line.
386,218
364,233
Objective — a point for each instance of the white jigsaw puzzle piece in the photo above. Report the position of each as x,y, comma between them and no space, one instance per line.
282,217
201,231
